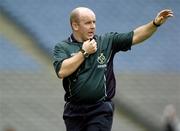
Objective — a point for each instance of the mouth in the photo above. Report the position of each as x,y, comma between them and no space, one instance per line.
91,34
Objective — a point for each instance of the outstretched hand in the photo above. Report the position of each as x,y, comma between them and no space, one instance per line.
162,16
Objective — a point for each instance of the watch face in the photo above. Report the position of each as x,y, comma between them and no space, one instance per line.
86,54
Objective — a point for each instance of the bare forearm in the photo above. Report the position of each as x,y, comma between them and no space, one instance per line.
143,32
70,65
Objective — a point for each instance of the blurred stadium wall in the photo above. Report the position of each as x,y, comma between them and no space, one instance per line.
148,76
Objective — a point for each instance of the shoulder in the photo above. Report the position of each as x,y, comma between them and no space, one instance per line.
63,45
110,35
117,34
107,37
104,37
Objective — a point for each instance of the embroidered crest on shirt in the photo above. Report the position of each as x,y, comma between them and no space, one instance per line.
101,59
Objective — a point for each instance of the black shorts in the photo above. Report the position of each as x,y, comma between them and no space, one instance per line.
94,117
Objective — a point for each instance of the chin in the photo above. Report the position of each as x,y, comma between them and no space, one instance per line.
91,37
88,38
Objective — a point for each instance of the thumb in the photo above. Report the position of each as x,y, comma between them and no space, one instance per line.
159,20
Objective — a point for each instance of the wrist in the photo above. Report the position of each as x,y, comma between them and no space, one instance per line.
155,24
84,53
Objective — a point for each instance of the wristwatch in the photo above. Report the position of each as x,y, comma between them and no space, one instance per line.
85,54
154,23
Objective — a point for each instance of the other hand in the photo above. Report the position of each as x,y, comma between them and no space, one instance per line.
162,16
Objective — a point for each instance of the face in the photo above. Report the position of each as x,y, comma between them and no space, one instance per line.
85,28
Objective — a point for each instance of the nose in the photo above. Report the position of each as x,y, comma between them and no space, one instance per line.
93,25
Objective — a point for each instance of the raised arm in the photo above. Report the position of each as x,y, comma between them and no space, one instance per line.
145,31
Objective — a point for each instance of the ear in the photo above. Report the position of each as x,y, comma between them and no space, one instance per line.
75,26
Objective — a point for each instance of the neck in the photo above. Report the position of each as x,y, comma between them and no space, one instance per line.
77,38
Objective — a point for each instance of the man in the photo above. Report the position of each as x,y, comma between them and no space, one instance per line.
85,64
170,119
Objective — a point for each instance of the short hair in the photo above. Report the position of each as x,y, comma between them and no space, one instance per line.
75,14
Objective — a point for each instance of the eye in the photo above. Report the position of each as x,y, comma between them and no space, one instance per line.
87,23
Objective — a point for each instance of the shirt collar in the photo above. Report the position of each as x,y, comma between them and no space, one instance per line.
72,39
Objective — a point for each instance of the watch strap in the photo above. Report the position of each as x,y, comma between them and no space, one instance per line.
85,54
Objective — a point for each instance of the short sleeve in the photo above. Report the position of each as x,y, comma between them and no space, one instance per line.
122,41
59,54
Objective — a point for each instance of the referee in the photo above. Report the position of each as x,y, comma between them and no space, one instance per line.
84,62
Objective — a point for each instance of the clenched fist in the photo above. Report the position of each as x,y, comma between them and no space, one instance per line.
90,46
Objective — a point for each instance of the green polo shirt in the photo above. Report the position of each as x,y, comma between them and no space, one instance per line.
88,83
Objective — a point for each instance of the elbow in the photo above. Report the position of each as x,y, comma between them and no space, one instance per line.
138,39
134,41
62,74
